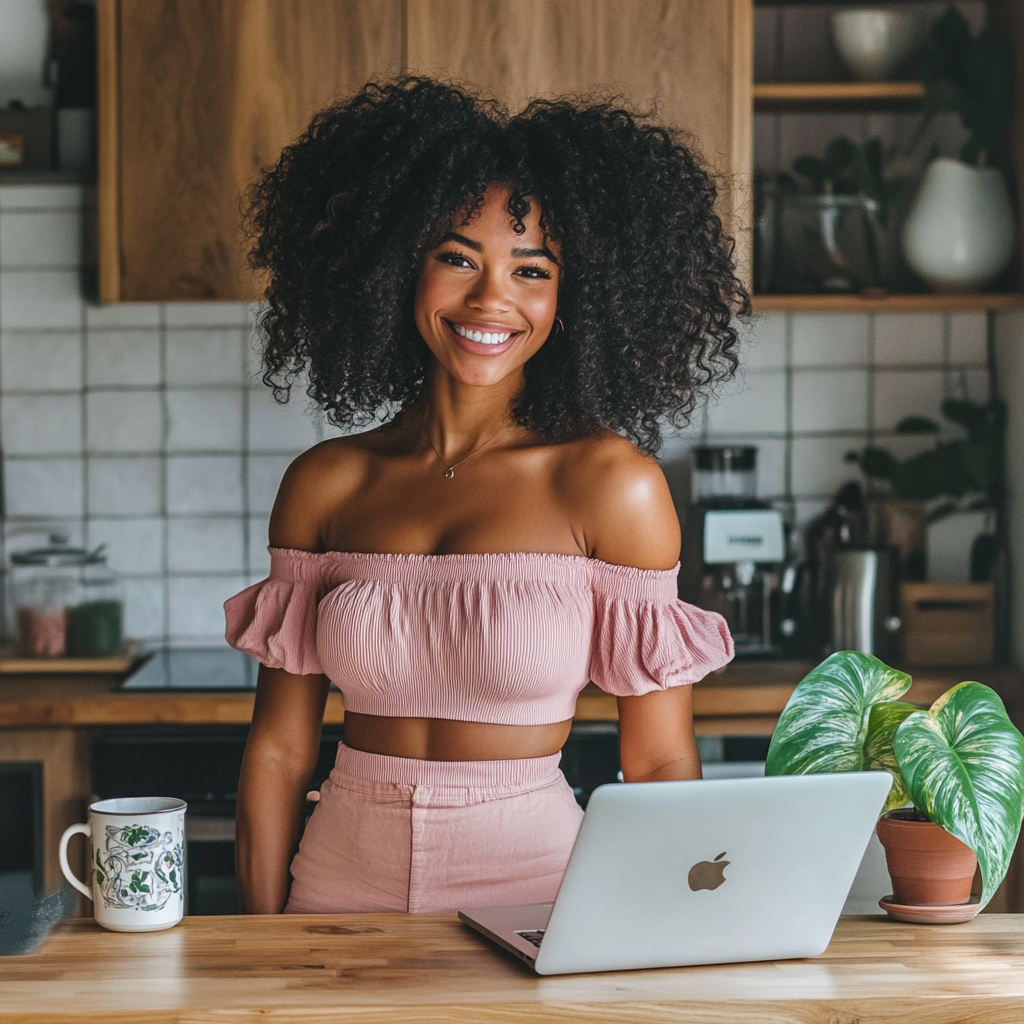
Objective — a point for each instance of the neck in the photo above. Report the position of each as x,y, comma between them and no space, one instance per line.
458,417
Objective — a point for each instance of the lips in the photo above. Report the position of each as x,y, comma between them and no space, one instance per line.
482,338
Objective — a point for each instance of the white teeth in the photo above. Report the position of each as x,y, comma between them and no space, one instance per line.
482,337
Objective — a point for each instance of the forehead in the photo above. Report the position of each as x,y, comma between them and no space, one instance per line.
492,217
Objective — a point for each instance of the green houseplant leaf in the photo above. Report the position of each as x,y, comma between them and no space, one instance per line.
828,725
879,754
963,764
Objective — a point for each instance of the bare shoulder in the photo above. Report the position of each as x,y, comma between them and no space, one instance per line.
620,500
314,485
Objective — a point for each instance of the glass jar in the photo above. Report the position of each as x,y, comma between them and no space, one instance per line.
66,600
724,476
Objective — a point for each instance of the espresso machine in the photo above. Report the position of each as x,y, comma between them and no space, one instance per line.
734,552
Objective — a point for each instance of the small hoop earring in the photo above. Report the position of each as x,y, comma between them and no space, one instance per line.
561,326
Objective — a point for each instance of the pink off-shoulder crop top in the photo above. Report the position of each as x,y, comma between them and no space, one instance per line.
509,639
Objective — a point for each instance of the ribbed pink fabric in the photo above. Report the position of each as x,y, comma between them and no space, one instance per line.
508,639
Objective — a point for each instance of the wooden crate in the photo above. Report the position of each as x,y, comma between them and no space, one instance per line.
947,623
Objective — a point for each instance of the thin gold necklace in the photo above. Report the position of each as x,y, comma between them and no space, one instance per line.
449,471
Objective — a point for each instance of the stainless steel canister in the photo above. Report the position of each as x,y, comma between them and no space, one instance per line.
863,602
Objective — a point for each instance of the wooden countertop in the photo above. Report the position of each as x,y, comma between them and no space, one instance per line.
747,697
399,968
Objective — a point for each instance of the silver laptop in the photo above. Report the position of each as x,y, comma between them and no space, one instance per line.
668,874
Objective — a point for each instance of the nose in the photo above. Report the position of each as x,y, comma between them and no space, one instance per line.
488,294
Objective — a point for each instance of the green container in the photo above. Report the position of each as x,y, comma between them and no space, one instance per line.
95,627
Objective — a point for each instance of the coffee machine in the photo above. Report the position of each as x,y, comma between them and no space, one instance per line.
734,551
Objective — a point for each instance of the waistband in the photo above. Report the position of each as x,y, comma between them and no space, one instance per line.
411,771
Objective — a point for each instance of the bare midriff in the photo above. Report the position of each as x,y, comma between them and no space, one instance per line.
440,739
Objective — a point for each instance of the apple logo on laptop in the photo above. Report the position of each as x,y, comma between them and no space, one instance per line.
708,874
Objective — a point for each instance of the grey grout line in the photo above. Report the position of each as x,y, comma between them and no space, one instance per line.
165,427
787,461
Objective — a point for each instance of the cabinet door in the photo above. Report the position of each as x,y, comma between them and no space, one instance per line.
195,97
691,57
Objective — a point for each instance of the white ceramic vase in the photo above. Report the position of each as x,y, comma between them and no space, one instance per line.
872,42
959,235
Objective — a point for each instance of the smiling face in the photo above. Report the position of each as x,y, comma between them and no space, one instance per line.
486,297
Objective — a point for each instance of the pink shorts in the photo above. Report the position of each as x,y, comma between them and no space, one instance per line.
399,834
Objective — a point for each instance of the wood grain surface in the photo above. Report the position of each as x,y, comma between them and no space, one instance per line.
690,59
208,94
909,303
751,691
430,968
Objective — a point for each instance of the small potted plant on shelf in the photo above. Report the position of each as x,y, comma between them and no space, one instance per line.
960,763
958,475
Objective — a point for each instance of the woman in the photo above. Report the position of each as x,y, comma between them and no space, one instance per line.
523,300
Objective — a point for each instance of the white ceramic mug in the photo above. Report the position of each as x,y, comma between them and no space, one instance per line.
137,862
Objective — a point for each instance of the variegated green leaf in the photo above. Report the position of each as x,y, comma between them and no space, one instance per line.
963,764
825,725
883,721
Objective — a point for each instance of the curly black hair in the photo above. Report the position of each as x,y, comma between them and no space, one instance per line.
648,290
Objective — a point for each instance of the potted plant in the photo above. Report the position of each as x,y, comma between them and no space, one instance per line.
960,475
836,209
959,762
960,235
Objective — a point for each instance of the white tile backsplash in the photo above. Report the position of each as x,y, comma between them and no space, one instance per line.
125,486
122,314
763,342
43,487
967,338
145,603
42,424
159,385
42,197
197,604
206,314
208,420
40,299
40,239
205,545
200,484
752,402
821,340
129,358
133,545
124,421
902,393
819,468
205,357
40,362
265,473
279,428
830,400
908,338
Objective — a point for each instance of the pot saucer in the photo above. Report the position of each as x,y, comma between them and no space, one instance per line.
958,913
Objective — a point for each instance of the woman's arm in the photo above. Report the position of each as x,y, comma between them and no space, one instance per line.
628,518
656,740
280,756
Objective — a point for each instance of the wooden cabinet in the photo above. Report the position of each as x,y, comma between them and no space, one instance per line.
195,97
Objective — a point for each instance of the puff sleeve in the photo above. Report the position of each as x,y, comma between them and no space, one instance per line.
274,620
646,639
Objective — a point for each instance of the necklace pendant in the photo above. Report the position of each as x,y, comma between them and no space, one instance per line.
449,473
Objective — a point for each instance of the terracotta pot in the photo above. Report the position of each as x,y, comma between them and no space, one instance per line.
927,865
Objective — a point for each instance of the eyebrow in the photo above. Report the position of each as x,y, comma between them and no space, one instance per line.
519,254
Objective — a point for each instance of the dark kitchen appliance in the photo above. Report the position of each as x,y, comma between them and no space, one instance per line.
734,551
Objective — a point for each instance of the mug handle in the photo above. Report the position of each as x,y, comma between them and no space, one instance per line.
86,830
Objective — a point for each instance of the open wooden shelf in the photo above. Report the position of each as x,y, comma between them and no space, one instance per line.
814,95
916,303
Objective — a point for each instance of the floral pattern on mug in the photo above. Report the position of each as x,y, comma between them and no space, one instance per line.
141,868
